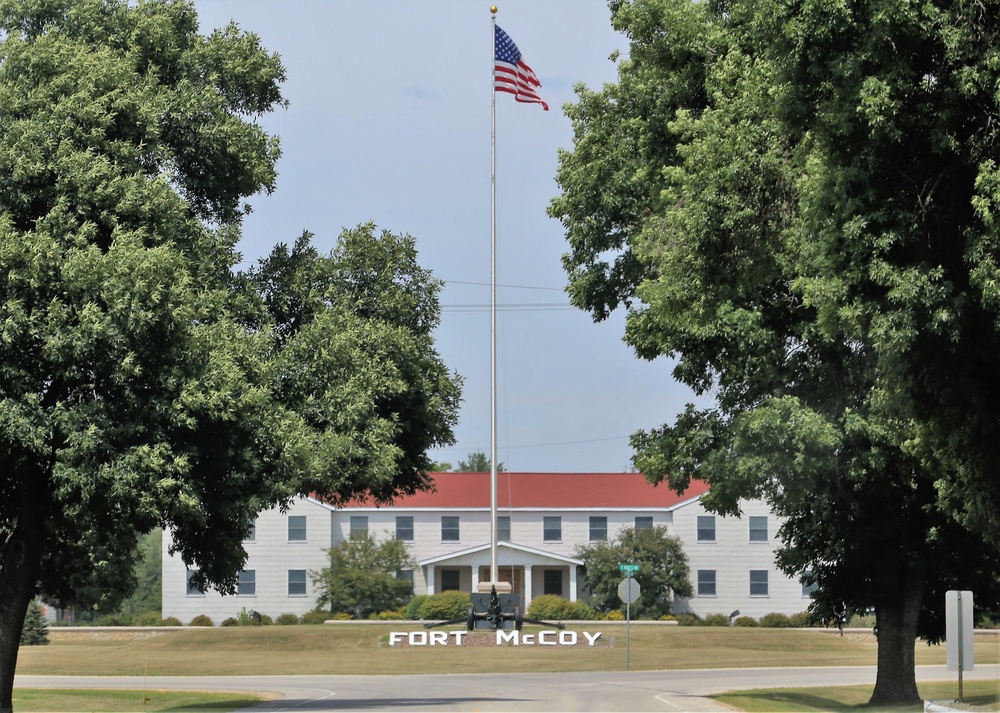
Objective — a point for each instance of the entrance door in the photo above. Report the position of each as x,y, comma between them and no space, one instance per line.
509,574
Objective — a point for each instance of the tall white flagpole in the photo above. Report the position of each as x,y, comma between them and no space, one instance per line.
494,569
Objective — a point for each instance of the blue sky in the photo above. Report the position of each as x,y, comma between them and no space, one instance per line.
389,121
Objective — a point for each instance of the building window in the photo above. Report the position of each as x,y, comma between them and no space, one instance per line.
252,534
296,528
404,528
296,582
758,528
552,582
449,528
359,526
706,528
706,582
598,528
644,522
405,575
552,528
758,583
503,528
246,585
450,580
192,591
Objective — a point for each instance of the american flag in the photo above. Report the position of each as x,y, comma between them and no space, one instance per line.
510,74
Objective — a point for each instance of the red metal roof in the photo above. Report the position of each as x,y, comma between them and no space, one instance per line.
593,491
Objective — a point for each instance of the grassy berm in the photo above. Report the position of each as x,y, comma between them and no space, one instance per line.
364,649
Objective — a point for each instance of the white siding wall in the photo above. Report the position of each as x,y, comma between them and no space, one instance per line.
271,556
732,556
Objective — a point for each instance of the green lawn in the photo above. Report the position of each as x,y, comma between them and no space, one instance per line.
363,649
983,695
31,700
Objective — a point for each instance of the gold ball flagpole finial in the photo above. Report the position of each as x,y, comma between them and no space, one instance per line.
493,9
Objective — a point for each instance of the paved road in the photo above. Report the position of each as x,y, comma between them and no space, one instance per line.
668,691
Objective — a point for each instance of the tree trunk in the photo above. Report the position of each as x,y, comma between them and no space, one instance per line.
896,617
20,568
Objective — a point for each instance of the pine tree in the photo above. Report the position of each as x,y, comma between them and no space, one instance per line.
35,631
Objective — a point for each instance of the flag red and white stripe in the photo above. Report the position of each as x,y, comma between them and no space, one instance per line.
511,74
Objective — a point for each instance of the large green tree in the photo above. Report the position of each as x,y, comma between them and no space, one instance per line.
362,576
142,382
796,200
663,570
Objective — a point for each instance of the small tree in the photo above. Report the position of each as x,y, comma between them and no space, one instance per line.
361,577
35,631
663,570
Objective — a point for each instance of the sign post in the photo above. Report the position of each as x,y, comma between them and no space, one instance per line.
959,633
628,592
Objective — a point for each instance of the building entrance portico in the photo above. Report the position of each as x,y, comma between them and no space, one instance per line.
530,572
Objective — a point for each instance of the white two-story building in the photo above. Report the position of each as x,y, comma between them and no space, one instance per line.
542,519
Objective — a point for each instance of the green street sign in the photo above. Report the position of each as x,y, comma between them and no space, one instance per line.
628,568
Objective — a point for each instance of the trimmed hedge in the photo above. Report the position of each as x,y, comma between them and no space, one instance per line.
553,607
202,620
445,605
776,620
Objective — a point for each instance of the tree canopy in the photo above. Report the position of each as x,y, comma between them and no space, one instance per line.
663,570
478,462
361,577
144,382
795,201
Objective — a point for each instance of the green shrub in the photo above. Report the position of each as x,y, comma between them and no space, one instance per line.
202,620
287,619
149,618
265,620
315,617
342,616
800,620
745,621
715,620
231,621
170,621
613,615
668,617
688,619
390,615
775,620
414,606
445,605
113,620
554,608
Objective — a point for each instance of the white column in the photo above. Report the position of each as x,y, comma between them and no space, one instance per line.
572,582
475,578
431,574
527,588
